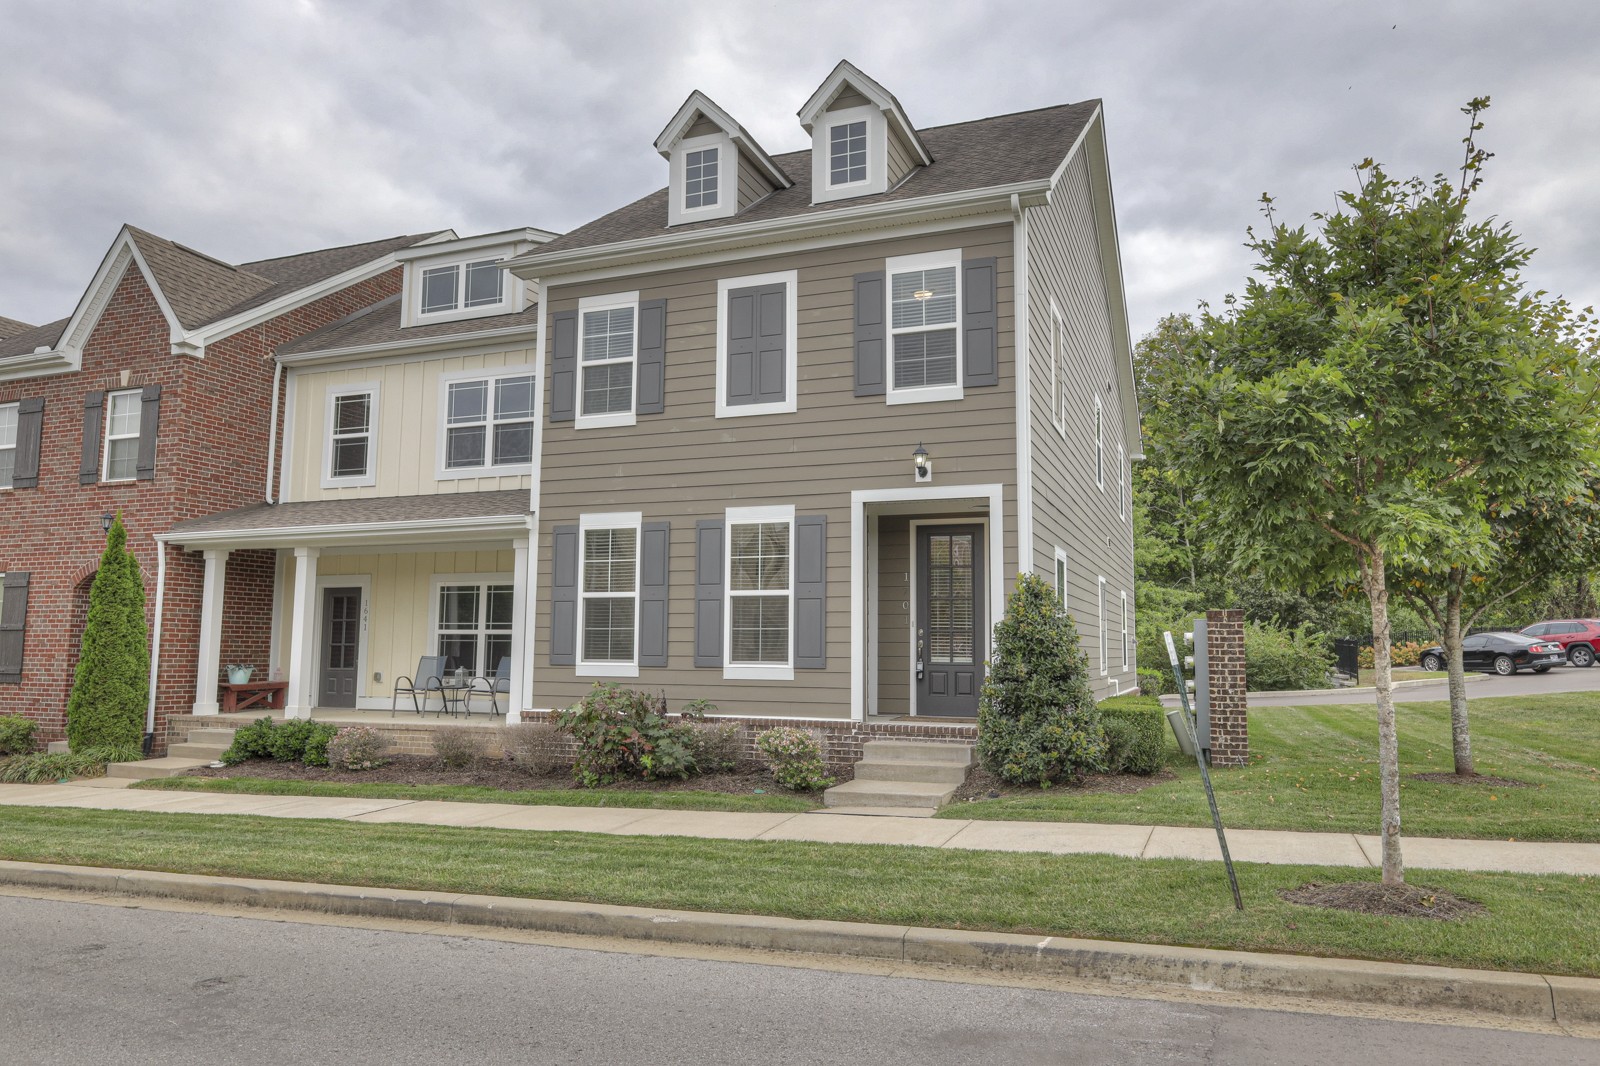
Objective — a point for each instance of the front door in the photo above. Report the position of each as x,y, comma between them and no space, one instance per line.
949,644
341,639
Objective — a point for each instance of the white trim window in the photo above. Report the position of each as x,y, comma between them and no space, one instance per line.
705,178
1099,445
351,446
473,618
487,428
1105,643
1058,372
608,352
1125,644
759,640
790,280
700,177
8,443
1061,578
1122,482
608,641
924,315
474,286
847,153
123,410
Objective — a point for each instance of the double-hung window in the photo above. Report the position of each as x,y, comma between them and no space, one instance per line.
1105,641
1058,371
760,585
1124,629
8,443
609,593
1122,482
473,621
352,436
459,286
924,294
1061,579
608,350
488,424
1099,445
122,435
700,178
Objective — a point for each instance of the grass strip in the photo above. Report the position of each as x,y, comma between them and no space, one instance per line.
1316,769
1547,924
663,801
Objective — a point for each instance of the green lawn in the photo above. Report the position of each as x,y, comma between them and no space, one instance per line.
576,797
1546,924
1316,768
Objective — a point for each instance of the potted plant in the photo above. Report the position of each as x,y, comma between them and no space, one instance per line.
239,674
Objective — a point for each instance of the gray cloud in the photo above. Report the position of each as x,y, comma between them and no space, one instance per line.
258,127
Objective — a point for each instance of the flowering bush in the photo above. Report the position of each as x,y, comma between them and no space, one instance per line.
795,759
624,733
1406,653
357,747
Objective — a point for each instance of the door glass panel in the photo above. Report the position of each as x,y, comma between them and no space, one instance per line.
950,618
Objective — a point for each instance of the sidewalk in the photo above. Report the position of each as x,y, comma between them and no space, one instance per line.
1059,838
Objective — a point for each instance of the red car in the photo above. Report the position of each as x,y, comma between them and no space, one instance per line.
1579,637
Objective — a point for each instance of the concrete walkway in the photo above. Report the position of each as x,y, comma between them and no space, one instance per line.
1057,838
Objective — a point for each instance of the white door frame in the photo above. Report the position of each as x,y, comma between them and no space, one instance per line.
342,581
911,619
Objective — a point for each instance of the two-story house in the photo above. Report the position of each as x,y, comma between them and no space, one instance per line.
154,398
808,415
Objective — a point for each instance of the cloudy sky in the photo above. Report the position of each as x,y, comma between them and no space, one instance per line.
256,128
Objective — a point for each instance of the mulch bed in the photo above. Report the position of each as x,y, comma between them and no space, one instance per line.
981,784
1472,779
425,770
1390,901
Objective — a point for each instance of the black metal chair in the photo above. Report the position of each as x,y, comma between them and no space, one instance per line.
428,678
499,682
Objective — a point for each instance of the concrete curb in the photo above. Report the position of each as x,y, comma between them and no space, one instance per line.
1511,995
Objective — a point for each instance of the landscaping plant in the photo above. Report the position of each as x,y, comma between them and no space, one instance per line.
532,747
39,766
1136,734
457,747
1277,659
795,759
301,740
357,747
16,734
1037,722
111,685
623,733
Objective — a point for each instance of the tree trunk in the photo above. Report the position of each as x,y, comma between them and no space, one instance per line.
1460,734
1374,579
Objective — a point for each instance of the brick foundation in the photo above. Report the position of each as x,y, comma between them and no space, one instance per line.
1230,729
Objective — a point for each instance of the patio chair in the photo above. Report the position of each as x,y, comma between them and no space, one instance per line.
428,678
500,681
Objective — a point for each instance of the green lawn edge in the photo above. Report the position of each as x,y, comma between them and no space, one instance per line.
1544,924
665,801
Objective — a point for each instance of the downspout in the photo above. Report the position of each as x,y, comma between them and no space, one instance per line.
272,432
155,645
1024,361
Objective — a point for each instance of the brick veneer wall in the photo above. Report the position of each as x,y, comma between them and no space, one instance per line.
1230,728
210,456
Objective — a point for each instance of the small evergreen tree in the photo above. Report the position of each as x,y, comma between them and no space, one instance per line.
1037,721
112,683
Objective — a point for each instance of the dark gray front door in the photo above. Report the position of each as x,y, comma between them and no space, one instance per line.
341,642
949,636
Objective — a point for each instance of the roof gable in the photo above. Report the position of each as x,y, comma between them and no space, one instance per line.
846,76
699,106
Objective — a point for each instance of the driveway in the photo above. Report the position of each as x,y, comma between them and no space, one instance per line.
1560,679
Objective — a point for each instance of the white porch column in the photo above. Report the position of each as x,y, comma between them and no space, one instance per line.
515,699
302,636
209,669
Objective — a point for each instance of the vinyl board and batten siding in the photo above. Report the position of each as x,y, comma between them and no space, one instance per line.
686,465
402,601
409,410
1070,510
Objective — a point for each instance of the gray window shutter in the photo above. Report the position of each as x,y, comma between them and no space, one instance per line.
94,416
564,366
652,398
30,427
708,570
811,592
870,334
13,617
980,322
655,565
564,596
757,340
149,421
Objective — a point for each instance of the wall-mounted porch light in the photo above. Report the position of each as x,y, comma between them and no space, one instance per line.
105,523
922,463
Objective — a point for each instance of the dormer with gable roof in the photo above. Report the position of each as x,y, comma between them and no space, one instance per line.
861,140
717,169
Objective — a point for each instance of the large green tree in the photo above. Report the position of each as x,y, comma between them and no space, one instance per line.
112,685
1342,416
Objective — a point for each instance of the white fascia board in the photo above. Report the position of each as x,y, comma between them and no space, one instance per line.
490,338
857,218
880,97
376,534
466,245
698,101
123,252
37,364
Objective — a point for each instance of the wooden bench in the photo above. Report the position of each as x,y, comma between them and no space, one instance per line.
268,695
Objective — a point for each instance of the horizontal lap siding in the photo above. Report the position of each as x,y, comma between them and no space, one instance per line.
686,465
753,185
1070,510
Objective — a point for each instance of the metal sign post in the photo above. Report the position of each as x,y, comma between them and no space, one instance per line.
1205,772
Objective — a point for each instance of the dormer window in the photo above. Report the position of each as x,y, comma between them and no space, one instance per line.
716,168
462,285
847,153
451,278
700,179
861,140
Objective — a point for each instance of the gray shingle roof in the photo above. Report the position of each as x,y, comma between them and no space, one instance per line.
380,324
376,509
1025,146
10,327
24,343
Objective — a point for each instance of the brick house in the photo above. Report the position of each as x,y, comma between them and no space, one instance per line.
153,399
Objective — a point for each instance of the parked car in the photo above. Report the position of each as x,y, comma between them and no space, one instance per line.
1500,653
1579,637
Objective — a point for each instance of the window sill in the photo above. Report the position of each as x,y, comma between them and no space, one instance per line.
621,418
427,318
459,472
742,410
363,481
607,670
934,394
757,673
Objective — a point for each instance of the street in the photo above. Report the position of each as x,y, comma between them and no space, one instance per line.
1525,683
112,984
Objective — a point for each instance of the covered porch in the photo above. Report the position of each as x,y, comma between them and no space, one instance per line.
365,589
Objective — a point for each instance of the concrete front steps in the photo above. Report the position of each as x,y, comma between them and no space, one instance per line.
202,748
908,778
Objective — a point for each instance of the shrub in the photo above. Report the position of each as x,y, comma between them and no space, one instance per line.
357,747
43,766
1037,721
717,747
1406,653
624,733
301,740
457,747
16,734
1153,683
532,747
795,759
1278,659
1136,730
112,681
254,741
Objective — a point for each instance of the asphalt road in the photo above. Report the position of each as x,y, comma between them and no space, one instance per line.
1560,679
85,983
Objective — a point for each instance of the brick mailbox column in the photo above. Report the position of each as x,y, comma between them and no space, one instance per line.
1230,732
